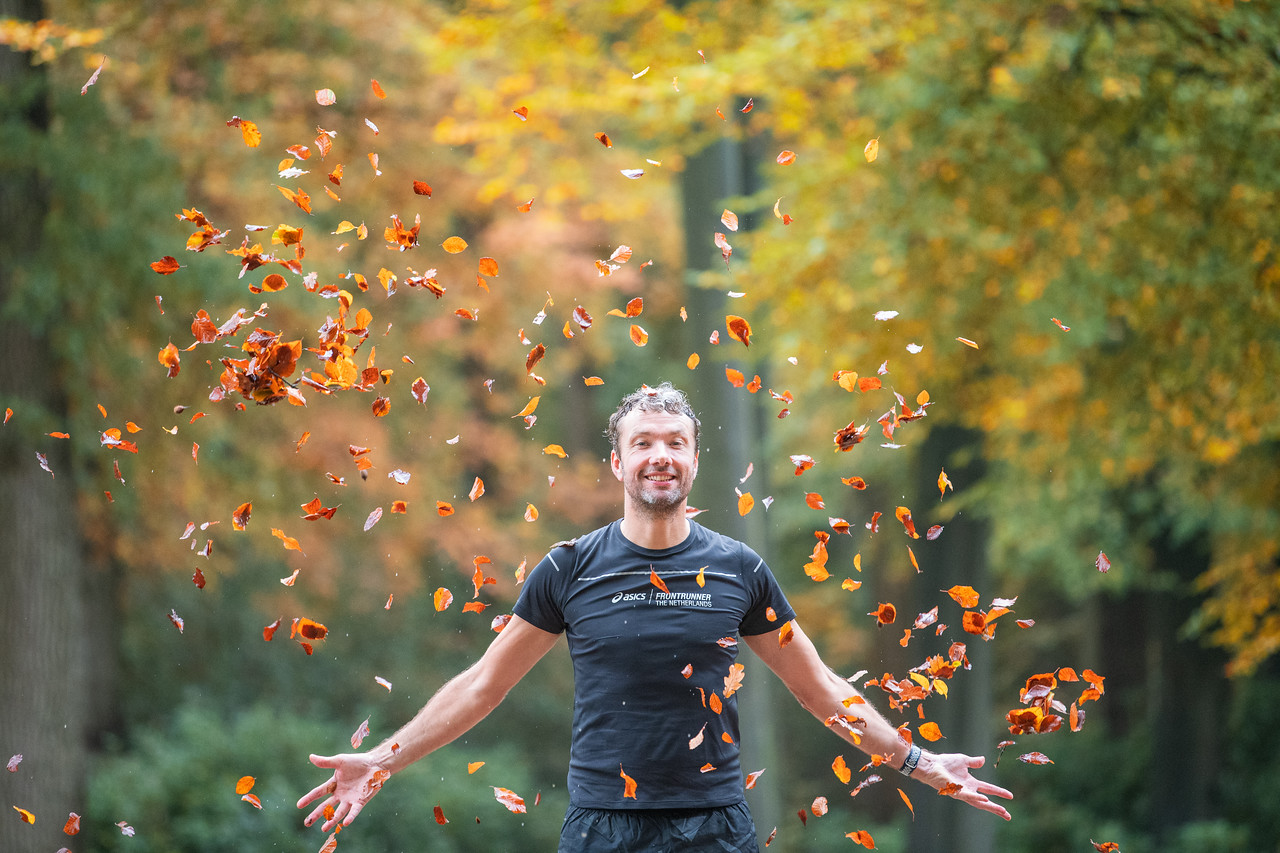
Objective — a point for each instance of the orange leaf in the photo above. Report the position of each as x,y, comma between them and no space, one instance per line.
862,837
604,140
786,158
657,581
529,408
489,267
473,766
885,614
814,500
872,150
907,800
753,777
944,483
443,598
72,826
252,799
477,489
715,704
967,342
745,503
842,771
785,635
444,508
166,265
290,543
735,377
904,515
965,596
930,732
27,817
818,806
739,329
240,520
530,512
555,450
639,336
628,784
733,681
730,220
454,245
245,785
513,801
592,380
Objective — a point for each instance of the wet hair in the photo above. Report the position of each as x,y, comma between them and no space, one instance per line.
663,398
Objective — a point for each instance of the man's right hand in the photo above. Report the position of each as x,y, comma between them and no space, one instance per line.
356,778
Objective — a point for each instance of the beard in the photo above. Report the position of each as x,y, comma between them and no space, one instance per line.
658,503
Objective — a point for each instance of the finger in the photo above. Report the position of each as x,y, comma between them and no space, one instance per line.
993,790
317,791
351,815
329,762
319,810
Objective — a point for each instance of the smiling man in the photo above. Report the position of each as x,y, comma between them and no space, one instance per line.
653,606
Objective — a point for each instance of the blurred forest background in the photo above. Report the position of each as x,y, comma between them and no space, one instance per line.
1086,191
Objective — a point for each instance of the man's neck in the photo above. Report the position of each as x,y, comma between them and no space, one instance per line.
655,532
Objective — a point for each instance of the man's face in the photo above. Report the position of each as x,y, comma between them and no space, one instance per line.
656,460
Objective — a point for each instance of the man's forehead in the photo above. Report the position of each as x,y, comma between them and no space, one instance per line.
639,421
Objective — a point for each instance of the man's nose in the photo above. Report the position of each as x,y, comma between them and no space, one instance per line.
661,453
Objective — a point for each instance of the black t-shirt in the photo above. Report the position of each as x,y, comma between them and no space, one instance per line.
635,710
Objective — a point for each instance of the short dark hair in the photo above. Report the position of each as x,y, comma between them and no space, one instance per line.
664,398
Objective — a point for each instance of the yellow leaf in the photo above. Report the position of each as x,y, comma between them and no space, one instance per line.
555,450
872,150
529,407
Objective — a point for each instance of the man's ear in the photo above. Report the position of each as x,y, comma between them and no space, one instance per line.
615,463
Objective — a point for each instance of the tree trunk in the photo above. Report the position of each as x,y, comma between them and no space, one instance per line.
43,645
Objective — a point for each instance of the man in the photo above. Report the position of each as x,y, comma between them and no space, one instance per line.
652,605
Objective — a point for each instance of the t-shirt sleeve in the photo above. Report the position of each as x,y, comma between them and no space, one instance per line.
539,601
765,594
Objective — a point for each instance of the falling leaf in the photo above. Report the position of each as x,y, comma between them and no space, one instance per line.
907,800
886,315
603,139
513,801
965,596
326,97
733,681
555,450
383,682
290,543
930,732
785,635
863,838
842,771
745,503
1035,758
1055,320
245,784
422,188
530,512
26,816
444,509
944,483
176,620
1103,564
639,336
374,518
967,342
872,150
72,826
14,761
730,220
443,598
477,489
885,614
454,245
632,173
904,515
786,158
739,329
692,361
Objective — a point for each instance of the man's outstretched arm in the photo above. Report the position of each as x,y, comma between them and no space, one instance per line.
462,702
823,694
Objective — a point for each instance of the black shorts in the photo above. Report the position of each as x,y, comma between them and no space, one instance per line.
727,829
